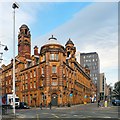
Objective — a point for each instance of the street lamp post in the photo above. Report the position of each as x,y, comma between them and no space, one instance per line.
1,53
14,6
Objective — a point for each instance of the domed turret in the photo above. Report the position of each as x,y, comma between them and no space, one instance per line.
52,40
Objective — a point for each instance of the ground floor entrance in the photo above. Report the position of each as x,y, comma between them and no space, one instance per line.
54,99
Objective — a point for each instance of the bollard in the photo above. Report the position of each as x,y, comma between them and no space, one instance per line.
105,103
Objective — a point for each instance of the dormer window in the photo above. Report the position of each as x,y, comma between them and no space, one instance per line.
37,60
28,64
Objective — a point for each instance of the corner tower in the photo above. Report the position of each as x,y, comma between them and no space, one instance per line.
70,49
24,42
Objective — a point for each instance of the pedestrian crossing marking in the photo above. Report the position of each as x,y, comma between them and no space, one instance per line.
55,116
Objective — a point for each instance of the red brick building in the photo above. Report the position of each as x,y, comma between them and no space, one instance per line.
53,74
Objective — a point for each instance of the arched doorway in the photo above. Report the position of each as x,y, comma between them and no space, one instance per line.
54,99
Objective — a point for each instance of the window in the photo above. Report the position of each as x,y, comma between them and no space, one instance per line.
26,31
53,69
43,57
34,73
23,86
84,65
42,82
31,85
56,56
42,70
68,54
95,78
26,86
26,98
25,65
34,84
17,88
53,56
33,62
89,56
26,76
6,82
67,83
31,98
37,60
31,74
54,83
6,74
10,72
28,64
23,98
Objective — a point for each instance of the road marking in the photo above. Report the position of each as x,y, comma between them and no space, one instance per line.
21,116
63,114
55,116
45,113
106,117
75,115
89,116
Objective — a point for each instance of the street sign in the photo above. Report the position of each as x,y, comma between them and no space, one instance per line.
71,94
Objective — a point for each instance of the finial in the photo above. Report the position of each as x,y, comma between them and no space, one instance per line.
53,38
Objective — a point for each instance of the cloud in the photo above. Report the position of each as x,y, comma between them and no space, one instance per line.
93,29
23,15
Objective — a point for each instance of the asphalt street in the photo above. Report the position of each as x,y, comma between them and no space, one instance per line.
77,111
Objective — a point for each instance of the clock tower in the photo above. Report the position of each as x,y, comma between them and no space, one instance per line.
24,42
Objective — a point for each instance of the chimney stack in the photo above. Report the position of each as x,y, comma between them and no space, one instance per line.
36,50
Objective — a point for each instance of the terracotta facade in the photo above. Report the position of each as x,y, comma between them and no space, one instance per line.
53,74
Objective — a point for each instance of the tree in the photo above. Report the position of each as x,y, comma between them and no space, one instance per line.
116,90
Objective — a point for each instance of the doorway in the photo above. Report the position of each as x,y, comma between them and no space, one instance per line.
54,99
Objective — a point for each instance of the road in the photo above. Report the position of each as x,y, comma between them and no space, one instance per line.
78,111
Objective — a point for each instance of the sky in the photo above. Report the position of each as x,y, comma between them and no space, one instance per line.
91,25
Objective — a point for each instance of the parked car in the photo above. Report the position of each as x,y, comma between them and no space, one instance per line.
116,102
24,105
